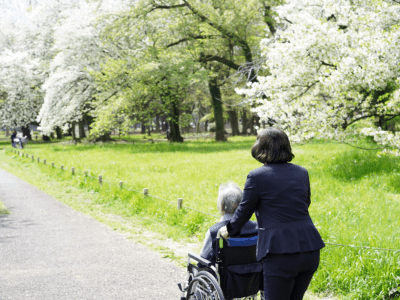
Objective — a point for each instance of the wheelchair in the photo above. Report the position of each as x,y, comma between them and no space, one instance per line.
236,274
19,142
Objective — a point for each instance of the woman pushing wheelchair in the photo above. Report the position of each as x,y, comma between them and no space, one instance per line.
279,193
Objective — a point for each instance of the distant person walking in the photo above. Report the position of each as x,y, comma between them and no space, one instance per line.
279,194
13,137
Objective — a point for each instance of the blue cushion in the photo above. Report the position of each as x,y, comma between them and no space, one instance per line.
242,242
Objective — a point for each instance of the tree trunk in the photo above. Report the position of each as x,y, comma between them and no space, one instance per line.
59,133
233,119
164,124
104,138
82,133
7,131
149,127
73,131
143,127
391,126
157,124
26,132
88,120
252,123
244,122
257,123
174,134
218,109
198,119
206,126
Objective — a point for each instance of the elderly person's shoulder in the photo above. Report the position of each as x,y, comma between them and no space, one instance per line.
273,168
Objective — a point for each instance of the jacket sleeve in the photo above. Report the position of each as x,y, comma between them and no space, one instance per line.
206,250
309,191
246,207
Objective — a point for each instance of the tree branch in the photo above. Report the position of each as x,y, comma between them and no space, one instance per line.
156,6
328,64
216,26
197,37
305,91
223,60
360,147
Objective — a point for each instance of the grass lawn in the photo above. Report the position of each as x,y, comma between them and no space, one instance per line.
355,197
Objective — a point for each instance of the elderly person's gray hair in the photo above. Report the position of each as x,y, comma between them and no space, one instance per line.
229,197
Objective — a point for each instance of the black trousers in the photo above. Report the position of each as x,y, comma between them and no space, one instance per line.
287,276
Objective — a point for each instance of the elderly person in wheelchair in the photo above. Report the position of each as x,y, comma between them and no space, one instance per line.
225,269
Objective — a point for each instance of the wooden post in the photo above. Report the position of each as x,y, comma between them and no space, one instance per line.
180,200
73,171
18,153
120,184
27,155
33,158
44,161
52,165
100,179
62,167
145,191
38,159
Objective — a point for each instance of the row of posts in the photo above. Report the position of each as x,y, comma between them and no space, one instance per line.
145,190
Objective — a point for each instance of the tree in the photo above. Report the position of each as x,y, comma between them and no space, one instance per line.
23,70
20,93
149,77
25,63
331,64
79,51
219,34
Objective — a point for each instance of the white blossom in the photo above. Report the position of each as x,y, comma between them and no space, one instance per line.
332,63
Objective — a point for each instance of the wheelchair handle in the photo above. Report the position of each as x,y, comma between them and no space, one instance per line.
220,240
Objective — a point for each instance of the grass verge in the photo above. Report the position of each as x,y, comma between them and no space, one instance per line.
3,209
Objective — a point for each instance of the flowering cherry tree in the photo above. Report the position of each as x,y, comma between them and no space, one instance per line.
23,69
70,87
24,63
331,64
20,93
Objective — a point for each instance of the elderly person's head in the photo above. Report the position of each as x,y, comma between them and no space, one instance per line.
229,197
272,146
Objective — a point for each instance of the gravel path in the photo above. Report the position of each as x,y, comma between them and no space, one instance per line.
50,251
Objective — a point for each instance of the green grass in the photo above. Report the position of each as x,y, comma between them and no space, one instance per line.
355,197
3,209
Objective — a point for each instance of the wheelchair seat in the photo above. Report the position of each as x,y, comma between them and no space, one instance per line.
236,273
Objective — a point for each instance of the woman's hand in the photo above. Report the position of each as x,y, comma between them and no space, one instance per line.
224,232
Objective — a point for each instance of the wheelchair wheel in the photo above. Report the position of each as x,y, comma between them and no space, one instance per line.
199,289
212,282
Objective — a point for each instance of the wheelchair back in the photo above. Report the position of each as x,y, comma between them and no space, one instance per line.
236,273
240,272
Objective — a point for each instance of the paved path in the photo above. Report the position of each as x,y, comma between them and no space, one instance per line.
50,251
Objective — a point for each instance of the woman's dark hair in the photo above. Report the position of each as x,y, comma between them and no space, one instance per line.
272,146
